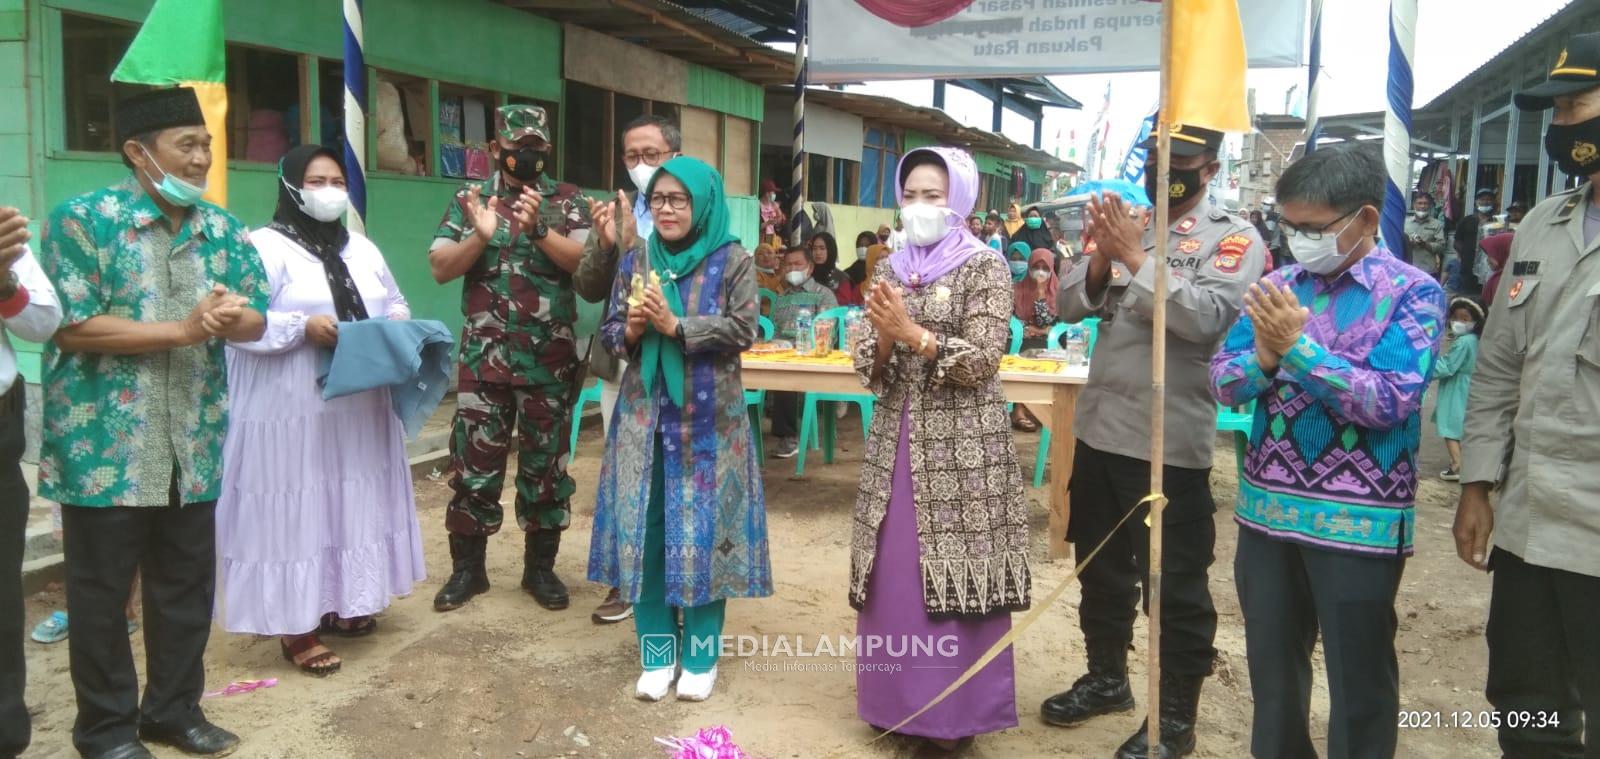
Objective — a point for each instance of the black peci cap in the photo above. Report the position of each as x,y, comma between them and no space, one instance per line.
1188,140
1577,69
156,110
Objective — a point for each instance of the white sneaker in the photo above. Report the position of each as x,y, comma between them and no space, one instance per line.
654,684
696,687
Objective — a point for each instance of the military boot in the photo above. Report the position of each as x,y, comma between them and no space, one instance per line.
1180,701
539,569
1103,690
468,577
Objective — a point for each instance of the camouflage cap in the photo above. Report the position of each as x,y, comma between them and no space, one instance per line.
514,122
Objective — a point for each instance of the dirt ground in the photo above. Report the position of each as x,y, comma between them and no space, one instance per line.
505,678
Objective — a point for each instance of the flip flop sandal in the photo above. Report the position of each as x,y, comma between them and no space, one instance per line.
316,666
362,628
53,629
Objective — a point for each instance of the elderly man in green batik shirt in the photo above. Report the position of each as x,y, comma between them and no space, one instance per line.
516,240
152,280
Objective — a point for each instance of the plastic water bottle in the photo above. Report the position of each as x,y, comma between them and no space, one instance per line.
852,327
805,336
1077,345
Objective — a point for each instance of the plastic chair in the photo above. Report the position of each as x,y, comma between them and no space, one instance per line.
811,421
1239,421
590,394
1054,341
755,401
768,300
1016,337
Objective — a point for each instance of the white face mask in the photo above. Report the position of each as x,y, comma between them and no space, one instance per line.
1460,328
1041,275
1319,256
1485,209
642,174
324,204
861,252
925,223
795,278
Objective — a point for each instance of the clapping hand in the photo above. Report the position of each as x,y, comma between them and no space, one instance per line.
485,217
615,230
1117,234
886,310
13,236
526,208
1279,320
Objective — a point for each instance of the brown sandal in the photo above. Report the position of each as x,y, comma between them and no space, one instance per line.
314,664
354,627
1021,423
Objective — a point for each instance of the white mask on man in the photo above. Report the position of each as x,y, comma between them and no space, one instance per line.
642,174
795,278
1319,256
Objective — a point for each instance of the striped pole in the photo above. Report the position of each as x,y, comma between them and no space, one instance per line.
1313,123
1397,123
797,187
355,115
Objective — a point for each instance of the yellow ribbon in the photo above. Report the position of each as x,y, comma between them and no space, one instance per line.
1157,501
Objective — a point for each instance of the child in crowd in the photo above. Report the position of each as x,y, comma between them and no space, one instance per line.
1454,372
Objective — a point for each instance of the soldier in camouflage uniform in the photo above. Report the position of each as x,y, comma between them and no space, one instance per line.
516,239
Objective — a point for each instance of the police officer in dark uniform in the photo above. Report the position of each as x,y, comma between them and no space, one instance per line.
1213,256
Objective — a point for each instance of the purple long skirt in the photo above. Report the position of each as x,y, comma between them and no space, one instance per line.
920,656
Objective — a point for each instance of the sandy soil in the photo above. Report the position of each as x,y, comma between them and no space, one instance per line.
505,678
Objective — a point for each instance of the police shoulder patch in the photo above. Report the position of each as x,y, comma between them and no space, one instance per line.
1186,226
1230,253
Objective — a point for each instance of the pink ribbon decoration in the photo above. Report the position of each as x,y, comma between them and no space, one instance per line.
243,686
708,743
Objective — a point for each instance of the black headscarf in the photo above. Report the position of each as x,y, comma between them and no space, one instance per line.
324,239
826,273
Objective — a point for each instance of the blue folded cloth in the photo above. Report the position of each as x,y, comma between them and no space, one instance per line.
411,358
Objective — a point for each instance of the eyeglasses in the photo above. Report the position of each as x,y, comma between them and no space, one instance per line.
677,200
1313,235
650,156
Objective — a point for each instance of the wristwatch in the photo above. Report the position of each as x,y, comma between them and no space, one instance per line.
540,231
9,285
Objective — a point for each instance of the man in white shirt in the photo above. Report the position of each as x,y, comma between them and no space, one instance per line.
28,308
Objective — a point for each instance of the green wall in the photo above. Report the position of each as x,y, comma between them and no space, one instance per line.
510,51
716,91
474,43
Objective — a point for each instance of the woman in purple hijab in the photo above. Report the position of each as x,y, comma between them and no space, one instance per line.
939,544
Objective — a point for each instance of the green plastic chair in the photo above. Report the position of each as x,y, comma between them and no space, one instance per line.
1016,337
768,301
589,394
824,426
1239,421
755,401
1053,340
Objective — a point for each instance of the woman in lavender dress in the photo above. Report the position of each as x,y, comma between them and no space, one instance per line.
317,523
939,545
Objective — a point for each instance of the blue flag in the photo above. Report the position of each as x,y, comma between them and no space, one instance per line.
1133,164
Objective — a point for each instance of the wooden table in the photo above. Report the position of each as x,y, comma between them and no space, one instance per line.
1059,391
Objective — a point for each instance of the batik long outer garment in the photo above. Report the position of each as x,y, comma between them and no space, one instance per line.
716,523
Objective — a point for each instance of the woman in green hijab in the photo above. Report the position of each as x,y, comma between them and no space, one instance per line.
680,519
